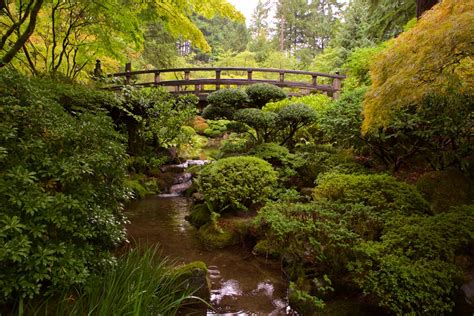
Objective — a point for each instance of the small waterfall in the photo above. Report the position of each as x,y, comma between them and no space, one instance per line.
183,180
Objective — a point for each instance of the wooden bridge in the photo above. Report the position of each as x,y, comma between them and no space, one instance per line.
187,80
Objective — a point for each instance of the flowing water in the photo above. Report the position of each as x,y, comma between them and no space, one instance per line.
240,283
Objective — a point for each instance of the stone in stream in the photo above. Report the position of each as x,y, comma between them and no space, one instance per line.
193,277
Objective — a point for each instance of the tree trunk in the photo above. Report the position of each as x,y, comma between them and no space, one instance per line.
424,5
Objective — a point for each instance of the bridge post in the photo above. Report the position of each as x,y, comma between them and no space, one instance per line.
315,80
128,76
157,77
336,85
282,76
249,75
187,75
218,78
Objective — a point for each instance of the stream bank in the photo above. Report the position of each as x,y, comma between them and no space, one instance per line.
240,283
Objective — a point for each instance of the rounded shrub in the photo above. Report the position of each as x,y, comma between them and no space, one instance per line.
236,182
382,192
261,93
223,103
232,97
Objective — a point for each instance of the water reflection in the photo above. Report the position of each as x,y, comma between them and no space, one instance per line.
240,284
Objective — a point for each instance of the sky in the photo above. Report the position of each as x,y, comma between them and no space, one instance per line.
245,6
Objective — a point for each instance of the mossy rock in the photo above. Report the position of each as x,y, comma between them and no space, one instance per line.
213,236
200,215
193,276
263,248
444,189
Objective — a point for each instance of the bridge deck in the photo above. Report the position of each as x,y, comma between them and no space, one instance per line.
203,86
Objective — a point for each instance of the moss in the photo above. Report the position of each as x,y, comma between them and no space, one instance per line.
141,186
213,236
200,215
444,189
187,269
194,276
263,248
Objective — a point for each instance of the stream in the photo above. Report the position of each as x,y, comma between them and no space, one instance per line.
240,283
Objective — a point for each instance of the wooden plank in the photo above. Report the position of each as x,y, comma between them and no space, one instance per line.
271,70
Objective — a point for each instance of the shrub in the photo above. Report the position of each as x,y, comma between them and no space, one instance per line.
280,158
261,93
233,97
321,234
218,112
320,159
383,192
412,270
216,128
293,117
236,182
340,124
264,123
61,190
317,102
199,124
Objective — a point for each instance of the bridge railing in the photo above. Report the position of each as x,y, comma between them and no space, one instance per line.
310,81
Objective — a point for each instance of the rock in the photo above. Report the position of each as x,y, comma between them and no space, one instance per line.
199,216
213,236
183,178
178,189
194,277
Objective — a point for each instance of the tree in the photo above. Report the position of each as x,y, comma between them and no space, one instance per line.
388,17
434,57
20,22
90,29
259,23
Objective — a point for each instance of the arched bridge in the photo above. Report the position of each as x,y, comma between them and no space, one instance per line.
202,81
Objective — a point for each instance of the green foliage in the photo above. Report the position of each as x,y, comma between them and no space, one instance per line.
358,65
153,117
421,62
261,93
199,216
140,186
61,190
264,123
216,128
280,158
303,302
294,117
317,102
213,236
321,234
383,192
340,123
223,103
236,182
232,97
412,270
142,283
437,132
318,160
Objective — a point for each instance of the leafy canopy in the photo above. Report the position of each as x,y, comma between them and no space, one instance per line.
434,57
